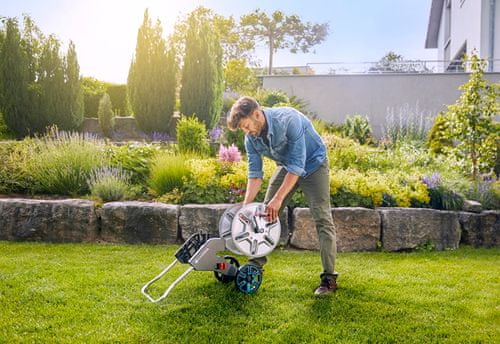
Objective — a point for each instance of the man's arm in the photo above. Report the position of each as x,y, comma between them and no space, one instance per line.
255,173
253,187
273,207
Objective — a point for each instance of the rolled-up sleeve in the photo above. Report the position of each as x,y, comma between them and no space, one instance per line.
296,148
254,161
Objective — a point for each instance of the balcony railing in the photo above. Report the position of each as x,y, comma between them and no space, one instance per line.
417,66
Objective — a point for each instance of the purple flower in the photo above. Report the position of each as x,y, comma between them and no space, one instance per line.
433,181
229,154
159,137
215,133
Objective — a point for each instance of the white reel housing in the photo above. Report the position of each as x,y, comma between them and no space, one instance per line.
247,232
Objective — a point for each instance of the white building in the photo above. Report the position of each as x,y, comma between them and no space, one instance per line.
462,26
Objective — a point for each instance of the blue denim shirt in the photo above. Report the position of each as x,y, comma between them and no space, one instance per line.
293,143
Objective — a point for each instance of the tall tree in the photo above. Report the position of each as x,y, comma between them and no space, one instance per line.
38,86
280,31
74,90
152,79
15,99
234,44
470,121
202,73
53,96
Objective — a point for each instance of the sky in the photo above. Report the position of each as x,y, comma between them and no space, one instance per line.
105,31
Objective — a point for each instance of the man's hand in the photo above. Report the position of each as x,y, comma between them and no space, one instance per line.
273,208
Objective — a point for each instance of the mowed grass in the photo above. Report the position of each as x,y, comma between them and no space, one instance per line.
85,293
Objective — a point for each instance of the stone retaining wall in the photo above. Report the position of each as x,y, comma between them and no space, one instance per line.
358,229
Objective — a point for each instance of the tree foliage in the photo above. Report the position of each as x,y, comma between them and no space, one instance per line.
202,74
395,63
38,85
234,44
106,115
239,77
280,31
470,121
152,78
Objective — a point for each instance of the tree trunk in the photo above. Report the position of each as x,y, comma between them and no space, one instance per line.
271,50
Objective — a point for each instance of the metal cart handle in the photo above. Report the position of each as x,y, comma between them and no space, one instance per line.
169,289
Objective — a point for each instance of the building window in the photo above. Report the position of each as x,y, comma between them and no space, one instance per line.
447,21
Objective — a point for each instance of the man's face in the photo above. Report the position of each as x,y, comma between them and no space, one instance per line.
251,125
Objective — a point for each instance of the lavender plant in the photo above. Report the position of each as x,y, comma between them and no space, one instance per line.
442,197
407,125
109,183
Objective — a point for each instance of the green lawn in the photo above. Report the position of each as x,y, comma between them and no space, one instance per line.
91,293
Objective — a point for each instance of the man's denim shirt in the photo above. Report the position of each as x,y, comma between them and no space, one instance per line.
294,144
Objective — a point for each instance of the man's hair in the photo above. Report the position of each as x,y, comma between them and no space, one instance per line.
242,108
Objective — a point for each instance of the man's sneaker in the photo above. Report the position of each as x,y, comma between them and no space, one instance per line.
327,286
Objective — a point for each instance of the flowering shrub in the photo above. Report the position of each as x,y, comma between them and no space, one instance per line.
229,154
213,181
440,196
373,188
215,134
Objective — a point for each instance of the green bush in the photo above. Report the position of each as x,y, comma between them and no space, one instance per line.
442,197
192,136
227,104
93,90
437,139
320,126
134,159
105,115
109,184
445,199
5,133
91,104
60,163
13,177
358,128
270,98
168,172
346,198
235,137
490,198
119,99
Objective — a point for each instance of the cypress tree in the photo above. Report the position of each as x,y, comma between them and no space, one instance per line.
15,98
53,98
74,111
38,86
105,115
202,74
152,79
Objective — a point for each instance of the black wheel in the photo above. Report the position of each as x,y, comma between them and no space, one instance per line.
249,278
226,278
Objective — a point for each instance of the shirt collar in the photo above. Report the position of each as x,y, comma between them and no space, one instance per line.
269,125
